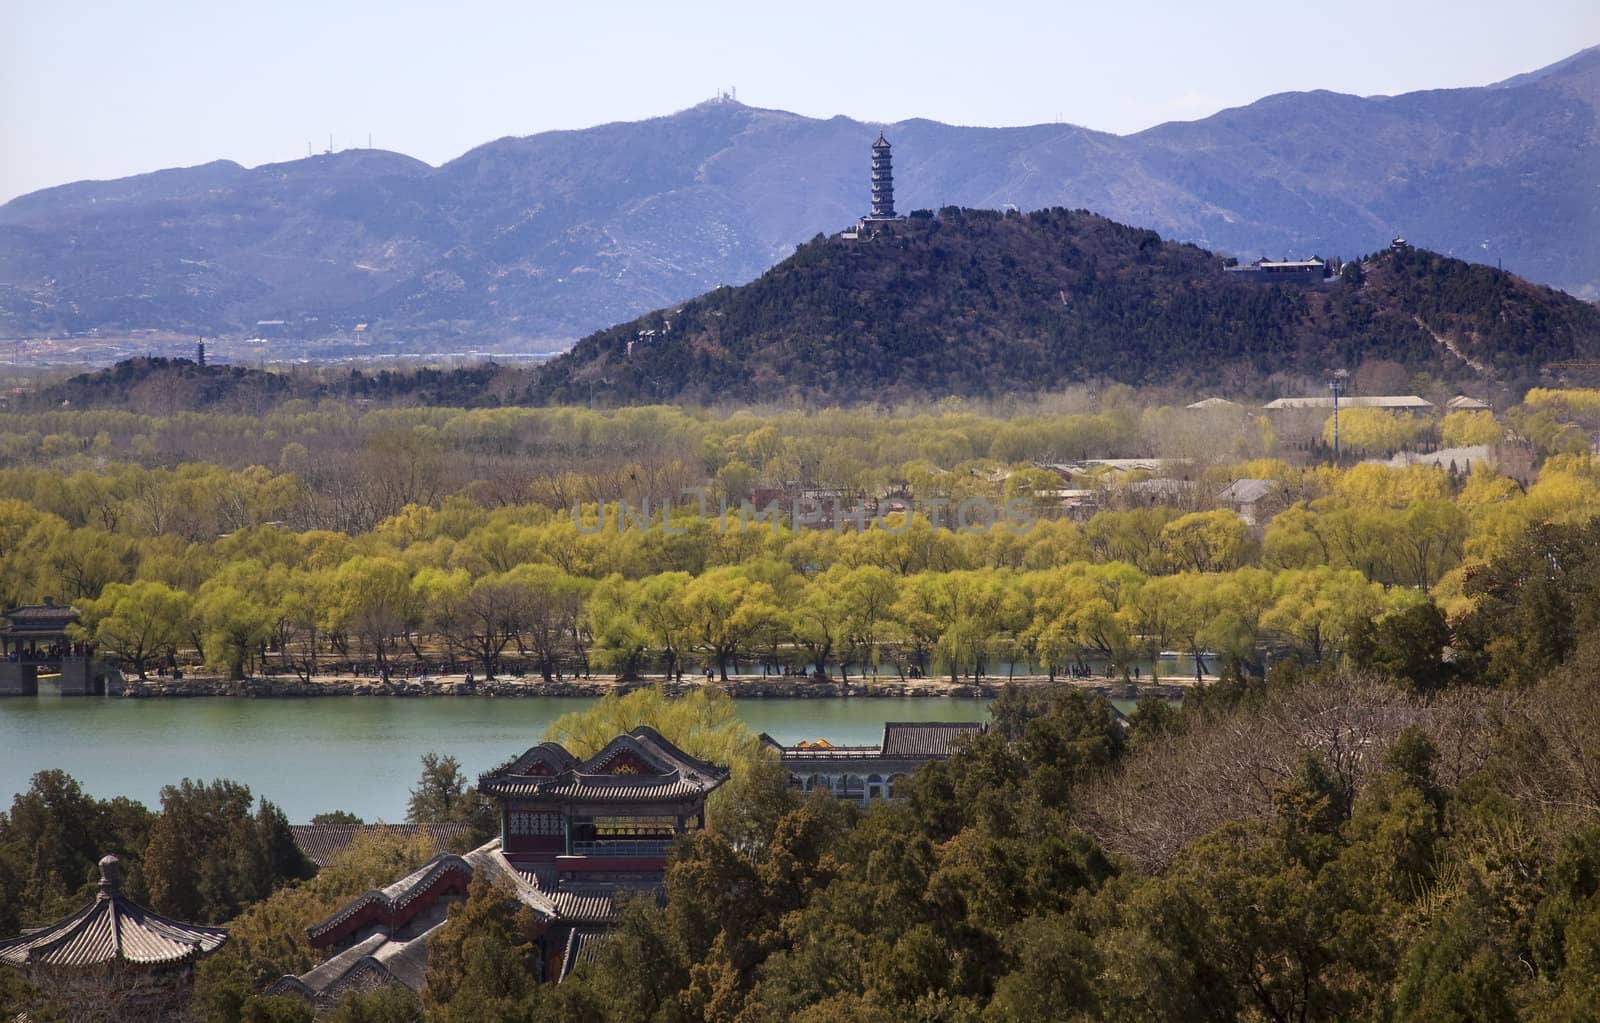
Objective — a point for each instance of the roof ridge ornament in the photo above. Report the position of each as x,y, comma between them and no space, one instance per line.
110,875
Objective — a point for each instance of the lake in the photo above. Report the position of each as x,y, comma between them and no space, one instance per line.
359,754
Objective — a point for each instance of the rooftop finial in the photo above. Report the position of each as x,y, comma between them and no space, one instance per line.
110,874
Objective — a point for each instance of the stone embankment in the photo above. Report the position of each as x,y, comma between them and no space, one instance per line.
756,687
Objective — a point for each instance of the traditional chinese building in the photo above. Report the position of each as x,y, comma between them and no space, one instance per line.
113,956
575,836
882,180
864,773
37,636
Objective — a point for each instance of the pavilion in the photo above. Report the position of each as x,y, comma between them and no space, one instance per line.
38,636
114,955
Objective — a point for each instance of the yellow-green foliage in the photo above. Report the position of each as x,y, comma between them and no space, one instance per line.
1571,401
1374,430
703,723
268,940
384,561
1464,429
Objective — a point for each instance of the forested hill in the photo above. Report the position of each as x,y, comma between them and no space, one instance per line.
977,302
160,386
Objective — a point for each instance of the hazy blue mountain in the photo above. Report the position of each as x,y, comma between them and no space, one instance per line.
541,239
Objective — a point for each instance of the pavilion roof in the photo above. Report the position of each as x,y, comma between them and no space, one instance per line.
47,619
111,929
549,771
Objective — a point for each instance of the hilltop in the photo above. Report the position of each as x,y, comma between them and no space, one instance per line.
537,240
975,302
161,386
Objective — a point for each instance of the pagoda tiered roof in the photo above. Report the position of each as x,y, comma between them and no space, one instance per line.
111,929
641,766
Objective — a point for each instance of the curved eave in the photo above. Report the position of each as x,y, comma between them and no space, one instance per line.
111,930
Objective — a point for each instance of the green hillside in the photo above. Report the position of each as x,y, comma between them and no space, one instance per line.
976,302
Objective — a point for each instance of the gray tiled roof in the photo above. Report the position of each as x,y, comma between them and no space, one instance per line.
111,929
908,740
583,946
580,905
396,897
1399,401
46,612
39,620
605,788
380,958
678,775
322,843
376,959
1247,491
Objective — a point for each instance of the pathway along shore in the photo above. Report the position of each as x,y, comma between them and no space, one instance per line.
738,686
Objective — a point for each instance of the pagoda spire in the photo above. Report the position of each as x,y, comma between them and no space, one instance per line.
882,180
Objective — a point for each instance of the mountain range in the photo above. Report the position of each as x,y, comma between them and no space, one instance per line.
538,240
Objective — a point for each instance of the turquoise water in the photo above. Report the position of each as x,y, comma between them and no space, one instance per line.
347,753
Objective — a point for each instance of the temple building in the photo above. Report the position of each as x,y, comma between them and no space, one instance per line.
38,636
575,837
864,773
113,956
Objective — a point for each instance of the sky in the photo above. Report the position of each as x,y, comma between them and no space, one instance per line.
115,87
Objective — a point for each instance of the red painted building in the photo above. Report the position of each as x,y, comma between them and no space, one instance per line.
575,835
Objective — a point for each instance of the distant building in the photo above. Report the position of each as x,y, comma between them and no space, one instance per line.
38,639
864,773
1253,500
1206,404
1102,468
1295,271
1462,403
1389,402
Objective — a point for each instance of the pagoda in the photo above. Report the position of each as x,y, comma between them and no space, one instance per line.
882,181
114,955
576,837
